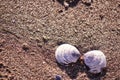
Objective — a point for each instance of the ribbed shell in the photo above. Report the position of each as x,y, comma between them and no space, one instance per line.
66,54
95,60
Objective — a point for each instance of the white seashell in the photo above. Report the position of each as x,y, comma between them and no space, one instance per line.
66,54
95,60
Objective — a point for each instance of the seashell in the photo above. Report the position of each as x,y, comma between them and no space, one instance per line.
66,54
95,60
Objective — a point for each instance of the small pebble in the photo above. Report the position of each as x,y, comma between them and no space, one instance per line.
39,45
45,39
25,46
32,53
37,39
38,30
43,62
